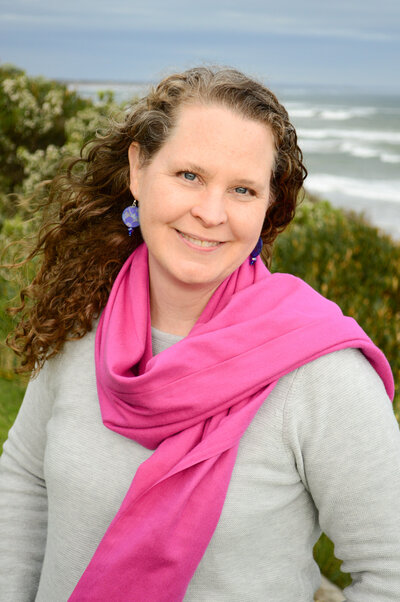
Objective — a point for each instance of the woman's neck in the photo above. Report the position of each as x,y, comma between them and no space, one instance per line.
176,309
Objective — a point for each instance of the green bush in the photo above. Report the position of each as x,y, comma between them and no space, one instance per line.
33,113
41,123
11,393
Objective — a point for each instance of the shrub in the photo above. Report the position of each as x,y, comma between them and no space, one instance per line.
41,123
33,113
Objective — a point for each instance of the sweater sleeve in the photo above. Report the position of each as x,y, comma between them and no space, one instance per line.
23,497
341,429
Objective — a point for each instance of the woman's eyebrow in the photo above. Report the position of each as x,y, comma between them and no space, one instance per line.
189,166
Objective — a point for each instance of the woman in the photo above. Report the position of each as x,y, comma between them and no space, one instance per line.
192,443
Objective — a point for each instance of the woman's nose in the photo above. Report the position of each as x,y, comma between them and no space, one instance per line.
210,209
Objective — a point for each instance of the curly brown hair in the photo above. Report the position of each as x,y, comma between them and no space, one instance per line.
84,244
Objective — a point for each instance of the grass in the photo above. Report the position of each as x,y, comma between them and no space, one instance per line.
11,394
328,563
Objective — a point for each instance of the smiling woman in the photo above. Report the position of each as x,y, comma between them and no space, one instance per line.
204,215
77,273
184,435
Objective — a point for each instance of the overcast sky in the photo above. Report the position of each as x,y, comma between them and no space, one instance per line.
340,42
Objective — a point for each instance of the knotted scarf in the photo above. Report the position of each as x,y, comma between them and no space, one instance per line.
191,404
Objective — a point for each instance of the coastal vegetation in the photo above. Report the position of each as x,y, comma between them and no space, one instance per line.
337,252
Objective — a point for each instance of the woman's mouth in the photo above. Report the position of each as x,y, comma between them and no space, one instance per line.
198,241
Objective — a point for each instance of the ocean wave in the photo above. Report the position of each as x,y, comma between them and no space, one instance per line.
319,146
367,152
375,190
364,152
302,113
330,113
354,149
364,135
390,158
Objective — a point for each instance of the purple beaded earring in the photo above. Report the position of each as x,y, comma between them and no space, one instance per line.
130,216
256,251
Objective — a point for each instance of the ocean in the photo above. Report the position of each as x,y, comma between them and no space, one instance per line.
351,146
350,141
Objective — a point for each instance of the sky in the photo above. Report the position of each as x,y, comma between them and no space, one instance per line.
317,42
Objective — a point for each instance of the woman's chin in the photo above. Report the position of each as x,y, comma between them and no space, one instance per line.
197,276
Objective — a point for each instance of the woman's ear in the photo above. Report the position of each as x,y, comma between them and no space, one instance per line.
134,166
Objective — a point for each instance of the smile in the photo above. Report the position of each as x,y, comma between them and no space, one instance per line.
198,241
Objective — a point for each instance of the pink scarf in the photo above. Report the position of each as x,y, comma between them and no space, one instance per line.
192,403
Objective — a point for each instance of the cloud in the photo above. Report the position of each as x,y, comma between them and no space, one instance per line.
297,42
310,18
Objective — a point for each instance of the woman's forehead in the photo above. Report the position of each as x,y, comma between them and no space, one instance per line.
199,111
213,131
217,125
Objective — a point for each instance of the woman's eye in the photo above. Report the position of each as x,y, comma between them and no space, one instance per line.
188,175
241,190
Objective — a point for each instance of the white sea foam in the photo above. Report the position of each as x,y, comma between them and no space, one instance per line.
365,152
302,111
363,111
343,114
354,149
364,135
390,158
319,146
336,115
374,190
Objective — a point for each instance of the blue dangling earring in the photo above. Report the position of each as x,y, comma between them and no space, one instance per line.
130,216
256,251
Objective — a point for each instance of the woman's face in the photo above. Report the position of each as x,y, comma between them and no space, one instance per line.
203,197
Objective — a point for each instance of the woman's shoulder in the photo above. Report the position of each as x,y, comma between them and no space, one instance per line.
338,394
338,374
344,364
346,371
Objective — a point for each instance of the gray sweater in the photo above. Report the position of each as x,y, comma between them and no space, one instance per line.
322,452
